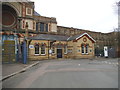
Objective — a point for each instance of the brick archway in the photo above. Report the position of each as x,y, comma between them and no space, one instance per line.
9,16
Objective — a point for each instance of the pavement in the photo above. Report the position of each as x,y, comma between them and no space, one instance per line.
69,73
11,69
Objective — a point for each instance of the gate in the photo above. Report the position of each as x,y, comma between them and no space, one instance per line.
8,51
112,52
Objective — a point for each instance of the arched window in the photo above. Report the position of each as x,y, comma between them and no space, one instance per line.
82,48
43,49
65,49
37,49
4,37
86,48
11,37
53,48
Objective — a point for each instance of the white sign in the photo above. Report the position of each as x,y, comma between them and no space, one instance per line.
105,51
31,46
50,51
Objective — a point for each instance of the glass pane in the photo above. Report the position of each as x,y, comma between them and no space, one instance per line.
11,37
41,27
37,49
42,49
36,26
82,48
46,27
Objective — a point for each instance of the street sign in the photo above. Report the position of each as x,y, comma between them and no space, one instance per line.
31,46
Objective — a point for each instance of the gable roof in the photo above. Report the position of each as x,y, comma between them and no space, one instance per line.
60,37
76,37
87,35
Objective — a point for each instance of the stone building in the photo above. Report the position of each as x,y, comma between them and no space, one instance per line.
53,46
21,22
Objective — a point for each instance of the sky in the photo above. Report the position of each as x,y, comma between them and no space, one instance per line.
93,15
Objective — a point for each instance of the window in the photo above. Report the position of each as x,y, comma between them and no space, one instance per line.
42,27
36,26
37,49
4,37
82,47
65,49
43,49
11,37
29,11
46,27
86,49
53,49
33,25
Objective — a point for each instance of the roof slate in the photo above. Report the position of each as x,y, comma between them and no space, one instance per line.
49,37
36,13
58,37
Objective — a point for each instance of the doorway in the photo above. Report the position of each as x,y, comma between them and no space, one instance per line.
59,53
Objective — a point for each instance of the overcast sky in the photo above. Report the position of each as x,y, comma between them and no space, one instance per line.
94,15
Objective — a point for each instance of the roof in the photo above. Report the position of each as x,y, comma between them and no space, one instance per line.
16,0
60,37
87,35
36,13
73,37
49,37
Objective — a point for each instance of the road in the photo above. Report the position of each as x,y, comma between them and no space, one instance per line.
81,73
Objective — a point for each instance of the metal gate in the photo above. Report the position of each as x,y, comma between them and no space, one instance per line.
8,51
112,52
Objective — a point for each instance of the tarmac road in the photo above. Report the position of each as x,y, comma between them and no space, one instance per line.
81,73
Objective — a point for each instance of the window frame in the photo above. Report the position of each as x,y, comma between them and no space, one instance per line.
38,49
65,49
86,48
44,49
53,49
42,27
29,9
82,49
